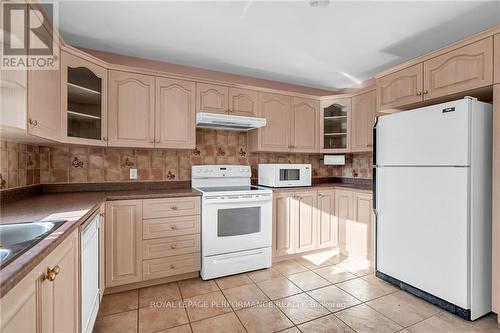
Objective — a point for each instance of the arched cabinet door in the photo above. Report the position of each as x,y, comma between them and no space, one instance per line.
304,125
175,114
83,101
403,87
131,110
275,136
212,98
243,102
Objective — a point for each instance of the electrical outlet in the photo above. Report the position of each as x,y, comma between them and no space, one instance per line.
133,173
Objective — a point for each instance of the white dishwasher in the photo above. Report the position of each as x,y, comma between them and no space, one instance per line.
89,272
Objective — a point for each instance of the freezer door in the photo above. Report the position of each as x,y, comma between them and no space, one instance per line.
433,135
422,229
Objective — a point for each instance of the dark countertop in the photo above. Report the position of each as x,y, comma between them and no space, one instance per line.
359,187
76,208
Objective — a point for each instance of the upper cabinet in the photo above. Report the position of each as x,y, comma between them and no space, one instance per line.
83,101
463,69
275,136
496,61
175,114
211,98
460,70
335,124
400,88
304,125
362,121
131,110
243,102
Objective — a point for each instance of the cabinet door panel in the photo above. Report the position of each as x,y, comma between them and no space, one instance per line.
276,135
59,299
18,312
335,125
211,98
496,53
359,230
243,102
403,87
131,109
123,242
102,251
344,207
305,125
463,69
327,224
175,114
305,220
282,224
362,120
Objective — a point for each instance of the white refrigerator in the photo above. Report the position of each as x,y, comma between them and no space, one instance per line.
432,201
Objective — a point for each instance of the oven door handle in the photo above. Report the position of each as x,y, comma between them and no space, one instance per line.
241,199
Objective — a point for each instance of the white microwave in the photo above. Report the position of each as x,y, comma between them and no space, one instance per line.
285,175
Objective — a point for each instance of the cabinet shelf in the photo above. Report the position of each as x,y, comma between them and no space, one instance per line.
82,95
334,134
80,115
335,117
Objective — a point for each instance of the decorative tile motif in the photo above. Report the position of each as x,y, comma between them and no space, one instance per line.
22,164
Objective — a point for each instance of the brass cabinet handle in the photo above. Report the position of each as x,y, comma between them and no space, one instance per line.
174,208
157,141
104,138
33,122
173,246
151,141
426,92
51,273
320,195
419,93
174,227
172,266
101,214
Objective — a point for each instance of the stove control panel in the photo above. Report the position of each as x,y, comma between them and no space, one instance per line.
220,171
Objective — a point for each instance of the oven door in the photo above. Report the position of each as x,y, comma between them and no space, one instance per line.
236,223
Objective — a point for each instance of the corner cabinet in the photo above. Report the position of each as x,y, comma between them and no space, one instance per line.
123,242
362,120
83,101
43,303
131,110
335,125
175,114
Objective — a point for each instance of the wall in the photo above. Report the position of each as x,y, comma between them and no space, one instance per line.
55,164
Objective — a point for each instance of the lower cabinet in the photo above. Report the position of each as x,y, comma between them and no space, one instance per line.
151,239
327,218
47,299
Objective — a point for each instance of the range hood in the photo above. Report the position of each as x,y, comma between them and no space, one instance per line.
228,122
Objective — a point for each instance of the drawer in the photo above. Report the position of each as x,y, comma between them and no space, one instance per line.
163,267
169,207
170,226
170,246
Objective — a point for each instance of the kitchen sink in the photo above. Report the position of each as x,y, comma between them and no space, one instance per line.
16,238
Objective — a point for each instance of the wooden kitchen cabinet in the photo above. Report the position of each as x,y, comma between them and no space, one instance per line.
360,230
335,125
175,114
39,304
211,98
496,60
403,87
304,219
463,69
344,211
327,223
275,136
283,236
60,299
243,102
83,101
102,251
123,242
304,125
362,120
131,110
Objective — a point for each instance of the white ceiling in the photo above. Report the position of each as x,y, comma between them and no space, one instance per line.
328,47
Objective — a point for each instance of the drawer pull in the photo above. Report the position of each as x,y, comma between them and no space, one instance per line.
174,208
51,273
174,227
173,246
172,266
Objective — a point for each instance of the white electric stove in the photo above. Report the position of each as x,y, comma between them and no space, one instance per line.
236,220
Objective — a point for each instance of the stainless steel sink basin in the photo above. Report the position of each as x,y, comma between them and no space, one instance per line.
16,238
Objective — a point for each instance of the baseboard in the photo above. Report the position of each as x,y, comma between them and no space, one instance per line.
149,283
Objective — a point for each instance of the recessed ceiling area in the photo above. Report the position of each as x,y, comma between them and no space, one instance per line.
328,47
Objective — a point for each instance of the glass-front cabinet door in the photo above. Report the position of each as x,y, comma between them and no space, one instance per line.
83,101
335,124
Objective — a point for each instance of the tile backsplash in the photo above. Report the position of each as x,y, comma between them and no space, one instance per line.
22,164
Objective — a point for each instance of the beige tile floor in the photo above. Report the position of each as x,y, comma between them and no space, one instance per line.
333,295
